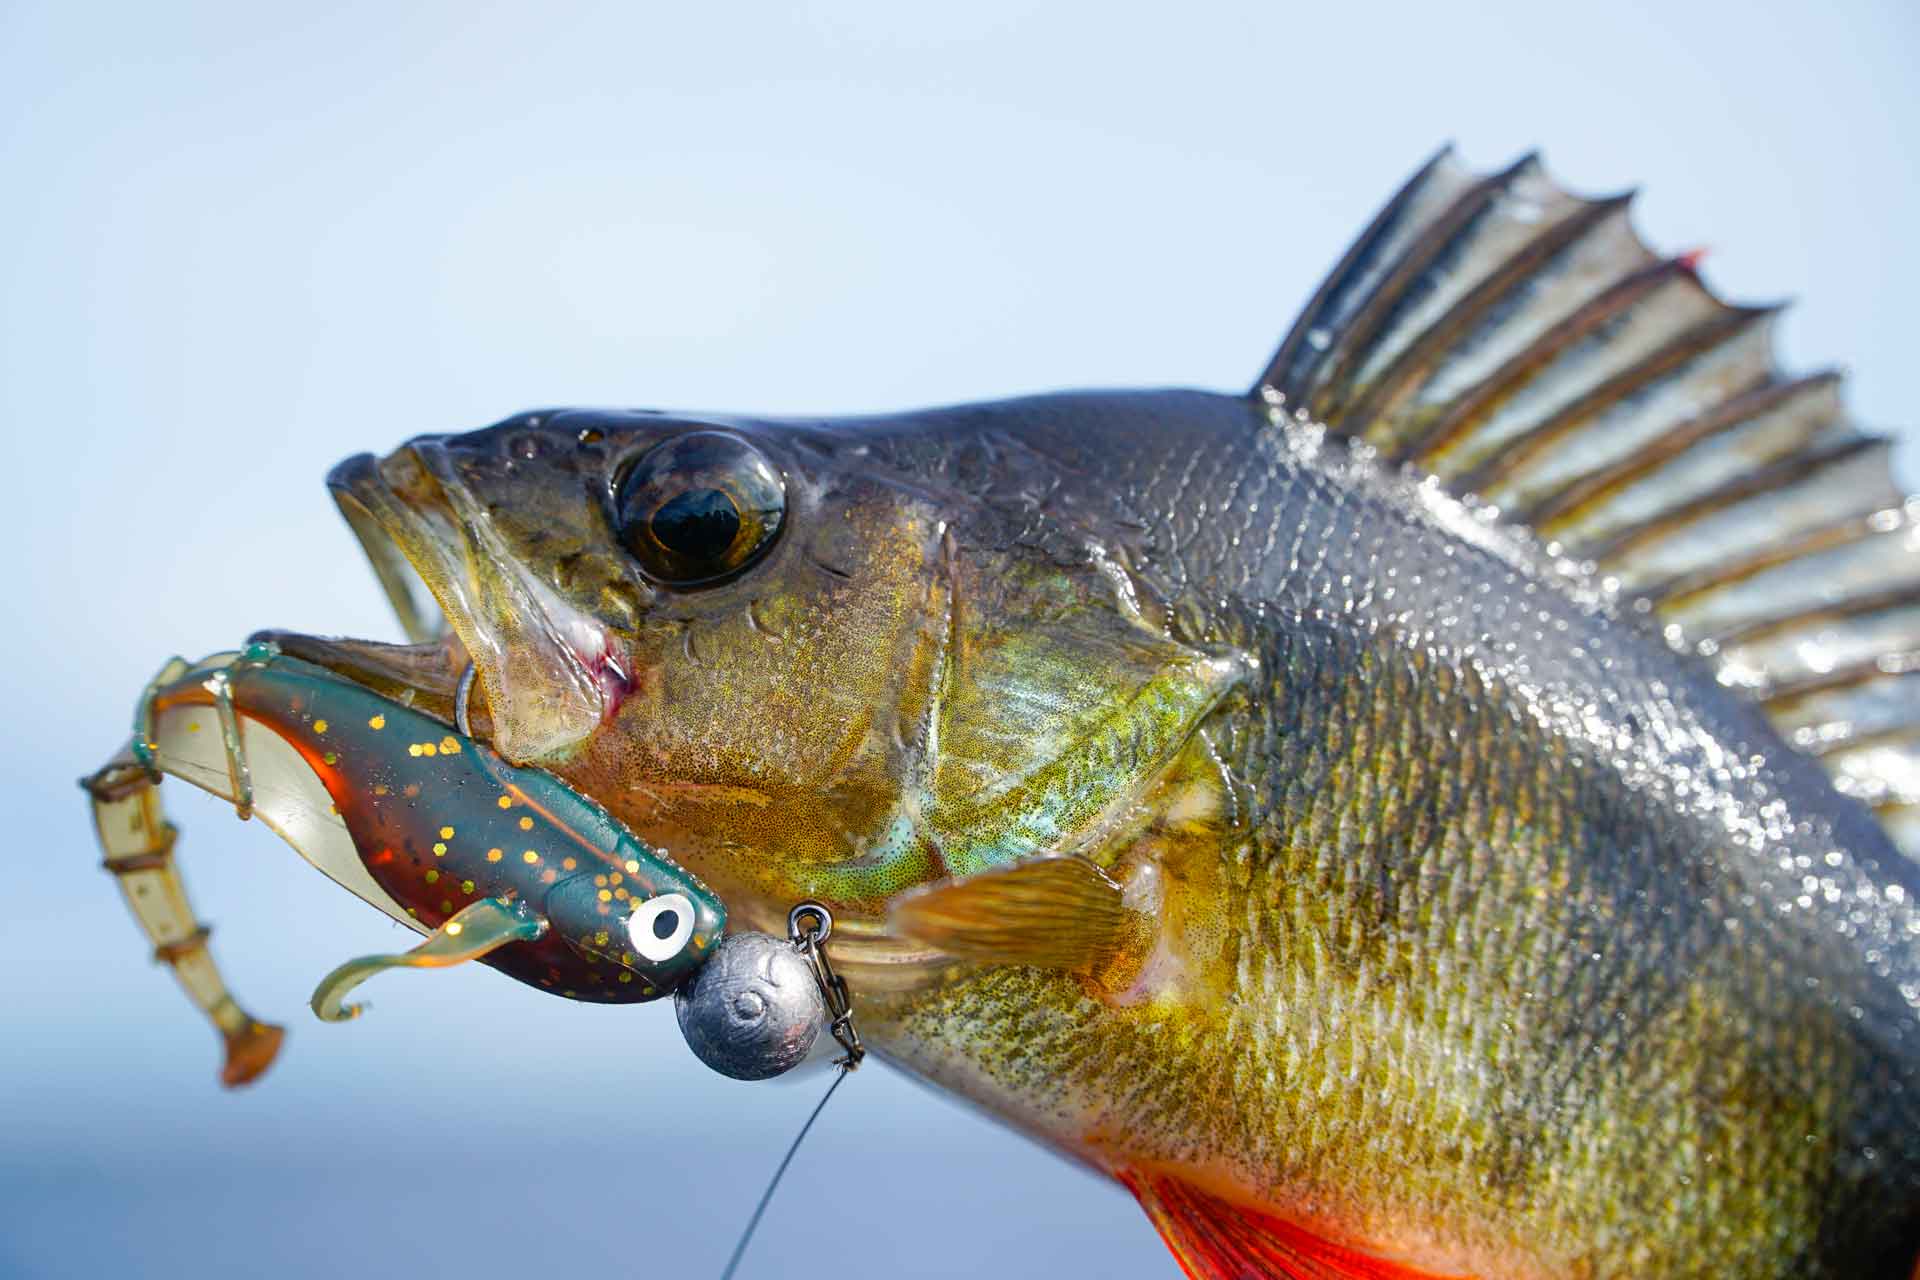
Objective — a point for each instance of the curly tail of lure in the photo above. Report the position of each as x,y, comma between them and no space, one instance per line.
490,860
139,843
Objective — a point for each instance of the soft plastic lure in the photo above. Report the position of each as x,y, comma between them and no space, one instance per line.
493,862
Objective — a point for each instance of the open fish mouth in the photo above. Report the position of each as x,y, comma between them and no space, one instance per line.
424,673
548,675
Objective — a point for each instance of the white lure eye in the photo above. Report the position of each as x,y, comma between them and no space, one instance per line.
661,926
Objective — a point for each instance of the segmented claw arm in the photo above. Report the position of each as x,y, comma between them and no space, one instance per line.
139,845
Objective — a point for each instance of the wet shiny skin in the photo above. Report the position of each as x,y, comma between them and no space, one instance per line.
1483,920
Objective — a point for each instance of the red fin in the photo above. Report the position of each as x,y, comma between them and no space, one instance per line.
1214,1239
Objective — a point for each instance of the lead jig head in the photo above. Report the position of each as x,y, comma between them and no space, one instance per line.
755,1008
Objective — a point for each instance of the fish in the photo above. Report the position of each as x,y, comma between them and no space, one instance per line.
1447,810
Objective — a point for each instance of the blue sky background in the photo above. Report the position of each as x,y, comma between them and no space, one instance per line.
241,241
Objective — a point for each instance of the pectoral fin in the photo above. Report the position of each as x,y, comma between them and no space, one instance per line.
1215,1239
486,925
1055,912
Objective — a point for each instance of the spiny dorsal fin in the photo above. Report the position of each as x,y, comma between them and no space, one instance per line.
1524,346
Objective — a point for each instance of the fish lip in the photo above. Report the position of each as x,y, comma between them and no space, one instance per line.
370,508
425,672
550,675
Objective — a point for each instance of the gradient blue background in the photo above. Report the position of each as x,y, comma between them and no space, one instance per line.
240,241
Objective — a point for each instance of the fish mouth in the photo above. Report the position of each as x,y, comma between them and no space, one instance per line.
547,675
423,673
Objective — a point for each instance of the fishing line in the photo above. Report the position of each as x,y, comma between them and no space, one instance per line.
733,1263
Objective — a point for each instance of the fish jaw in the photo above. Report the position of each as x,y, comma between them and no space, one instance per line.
552,674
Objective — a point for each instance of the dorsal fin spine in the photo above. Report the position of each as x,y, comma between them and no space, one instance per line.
1698,340
1280,368
1374,313
1479,403
1578,493
1398,381
1765,479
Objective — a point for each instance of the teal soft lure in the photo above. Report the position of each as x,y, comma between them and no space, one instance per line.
494,862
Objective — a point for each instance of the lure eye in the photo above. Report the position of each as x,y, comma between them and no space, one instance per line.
661,927
699,508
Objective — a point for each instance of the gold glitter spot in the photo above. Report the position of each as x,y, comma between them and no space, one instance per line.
568,864
413,748
606,896
445,906
466,886
413,912
626,977
506,802
432,876
427,749
615,877
600,938
633,868
411,790
526,824
450,744
378,722
601,881
626,957
620,894
446,833
319,726
530,857
331,757
193,726
453,928
380,788
494,855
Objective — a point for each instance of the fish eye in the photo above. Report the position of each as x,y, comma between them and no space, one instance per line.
699,508
661,927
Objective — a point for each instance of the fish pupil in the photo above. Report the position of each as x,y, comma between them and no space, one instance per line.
698,508
664,924
699,524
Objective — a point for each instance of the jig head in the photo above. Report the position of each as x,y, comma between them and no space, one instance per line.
755,1009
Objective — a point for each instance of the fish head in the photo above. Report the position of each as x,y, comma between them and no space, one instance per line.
808,662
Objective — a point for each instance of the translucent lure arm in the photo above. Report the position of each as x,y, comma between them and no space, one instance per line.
138,842
487,924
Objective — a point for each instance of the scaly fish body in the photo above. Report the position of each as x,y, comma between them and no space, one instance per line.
1486,954
1360,816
